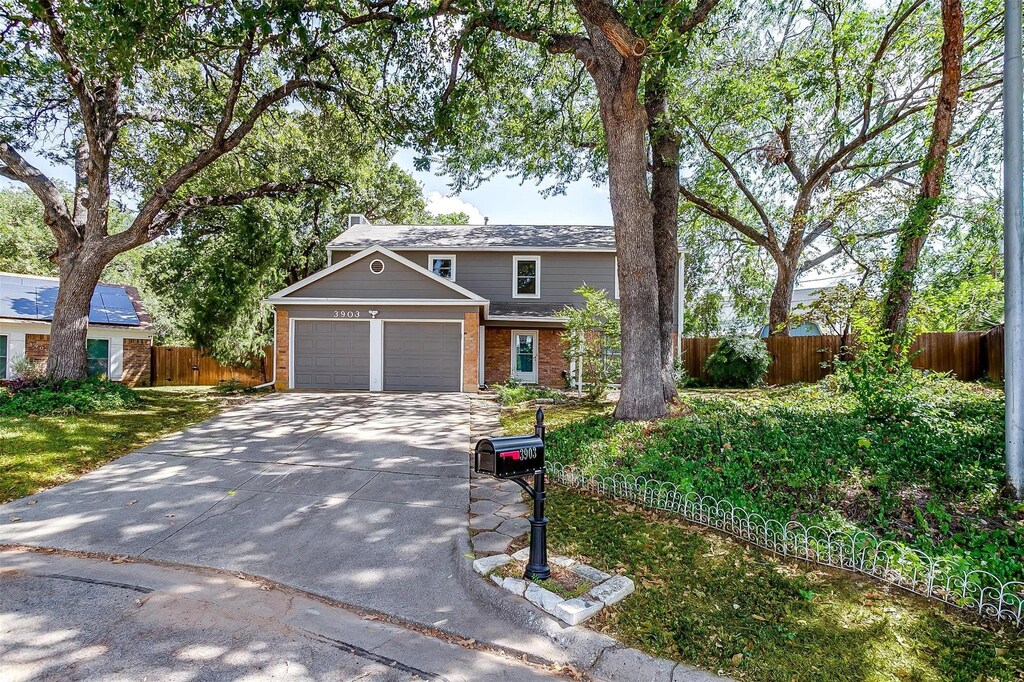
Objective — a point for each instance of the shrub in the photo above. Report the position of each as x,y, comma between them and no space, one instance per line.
592,341
66,397
738,362
513,392
884,383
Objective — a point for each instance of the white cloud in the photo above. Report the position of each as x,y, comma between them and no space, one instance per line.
439,203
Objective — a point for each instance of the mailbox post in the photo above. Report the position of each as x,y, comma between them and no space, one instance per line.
516,457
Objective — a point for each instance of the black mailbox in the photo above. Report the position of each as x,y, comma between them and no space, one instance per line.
510,456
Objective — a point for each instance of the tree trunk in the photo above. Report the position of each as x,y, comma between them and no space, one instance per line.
782,297
66,357
664,141
625,128
915,229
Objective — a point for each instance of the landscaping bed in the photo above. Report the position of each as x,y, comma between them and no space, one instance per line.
712,601
931,480
40,451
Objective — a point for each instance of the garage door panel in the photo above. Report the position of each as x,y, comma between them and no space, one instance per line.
331,355
422,356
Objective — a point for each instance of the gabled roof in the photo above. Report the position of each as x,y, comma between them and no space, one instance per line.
293,294
478,237
32,297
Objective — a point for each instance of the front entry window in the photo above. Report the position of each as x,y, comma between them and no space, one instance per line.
524,356
98,357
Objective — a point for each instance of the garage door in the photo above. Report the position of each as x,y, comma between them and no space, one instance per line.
331,355
422,356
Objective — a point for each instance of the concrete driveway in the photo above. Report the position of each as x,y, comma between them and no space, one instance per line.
361,498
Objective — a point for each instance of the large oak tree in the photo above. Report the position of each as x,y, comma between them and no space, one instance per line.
153,101
563,89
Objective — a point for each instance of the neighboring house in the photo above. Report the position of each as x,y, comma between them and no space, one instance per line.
438,307
120,332
729,321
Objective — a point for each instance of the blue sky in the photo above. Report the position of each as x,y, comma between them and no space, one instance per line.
505,200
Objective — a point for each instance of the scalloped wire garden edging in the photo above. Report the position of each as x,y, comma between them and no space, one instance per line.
861,552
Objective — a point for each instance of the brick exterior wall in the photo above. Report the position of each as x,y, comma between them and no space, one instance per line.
281,368
551,360
471,352
135,362
550,357
135,357
37,347
497,355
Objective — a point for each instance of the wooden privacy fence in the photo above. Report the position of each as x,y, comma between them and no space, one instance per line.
184,366
795,359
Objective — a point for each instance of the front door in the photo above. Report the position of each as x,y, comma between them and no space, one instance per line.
524,356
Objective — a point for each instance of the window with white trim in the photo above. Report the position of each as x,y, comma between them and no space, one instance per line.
3,356
443,265
526,277
98,357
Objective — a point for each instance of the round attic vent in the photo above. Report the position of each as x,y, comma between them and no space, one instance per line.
376,266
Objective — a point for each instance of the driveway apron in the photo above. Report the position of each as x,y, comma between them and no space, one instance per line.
357,497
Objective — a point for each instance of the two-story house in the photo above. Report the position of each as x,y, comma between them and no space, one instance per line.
438,307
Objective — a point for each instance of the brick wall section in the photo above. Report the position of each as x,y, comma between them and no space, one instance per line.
37,347
550,357
497,355
471,352
283,342
551,360
135,362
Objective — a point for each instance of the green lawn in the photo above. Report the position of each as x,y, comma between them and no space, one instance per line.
706,599
39,452
932,480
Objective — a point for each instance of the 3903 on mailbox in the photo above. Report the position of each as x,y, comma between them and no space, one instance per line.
515,457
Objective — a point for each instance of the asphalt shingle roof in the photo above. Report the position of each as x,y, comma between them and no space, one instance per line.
27,297
584,237
531,310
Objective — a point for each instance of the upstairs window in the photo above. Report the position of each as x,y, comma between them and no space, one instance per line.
526,277
443,266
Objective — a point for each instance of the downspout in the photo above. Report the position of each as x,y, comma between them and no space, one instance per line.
680,305
273,360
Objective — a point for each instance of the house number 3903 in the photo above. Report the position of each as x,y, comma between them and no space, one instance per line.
346,313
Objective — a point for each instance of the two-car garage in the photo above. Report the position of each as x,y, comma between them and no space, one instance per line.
389,355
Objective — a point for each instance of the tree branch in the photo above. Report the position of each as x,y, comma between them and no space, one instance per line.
718,213
55,209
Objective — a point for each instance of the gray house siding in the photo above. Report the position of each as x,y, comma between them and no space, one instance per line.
356,280
489,273
384,312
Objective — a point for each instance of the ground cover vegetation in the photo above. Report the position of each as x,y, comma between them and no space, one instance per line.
715,602
930,475
39,450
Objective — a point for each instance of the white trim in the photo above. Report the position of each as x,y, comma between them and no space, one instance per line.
432,256
515,277
7,356
376,355
43,327
616,275
481,355
276,296
535,333
115,358
382,267
374,301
